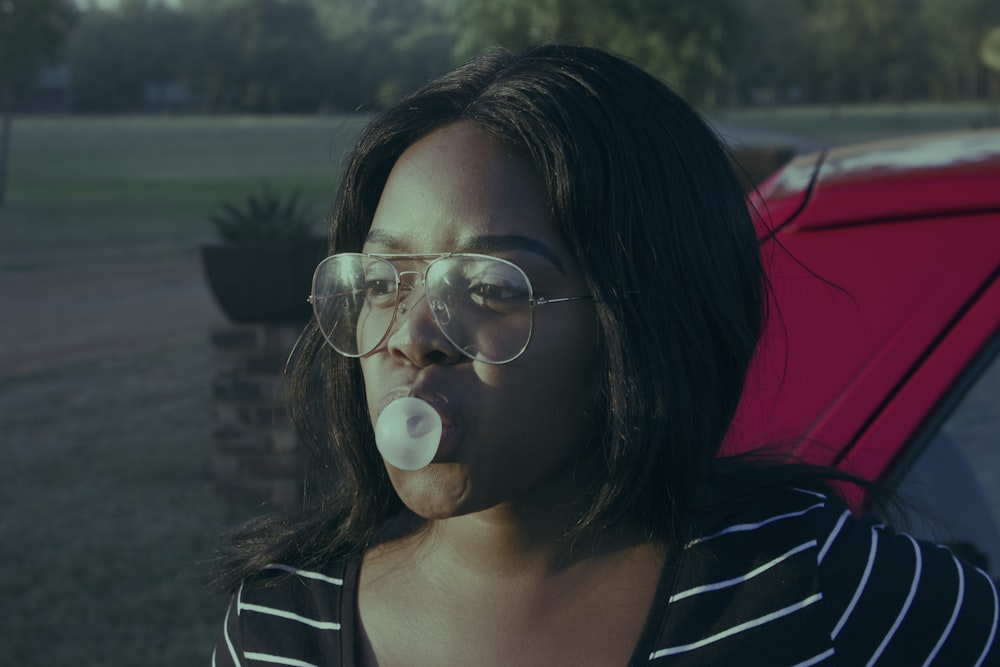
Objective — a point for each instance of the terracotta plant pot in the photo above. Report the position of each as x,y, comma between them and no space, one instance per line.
263,282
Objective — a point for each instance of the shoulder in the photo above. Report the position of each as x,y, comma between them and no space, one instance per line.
290,614
747,585
788,526
794,576
895,598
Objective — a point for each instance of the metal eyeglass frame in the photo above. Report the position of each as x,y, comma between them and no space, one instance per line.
533,300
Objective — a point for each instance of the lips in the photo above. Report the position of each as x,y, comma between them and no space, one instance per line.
448,447
441,405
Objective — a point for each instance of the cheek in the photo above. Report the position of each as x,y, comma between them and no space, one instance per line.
574,379
548,396
568,353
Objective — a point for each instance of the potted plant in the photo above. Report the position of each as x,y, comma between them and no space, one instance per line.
261,270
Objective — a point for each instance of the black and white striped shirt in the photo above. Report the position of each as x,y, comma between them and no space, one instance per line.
794,580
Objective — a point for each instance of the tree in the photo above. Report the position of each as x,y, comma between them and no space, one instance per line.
773,61
688,43
989,53
119,57
870,51
259,56
31,34
381,49
956,30
989,49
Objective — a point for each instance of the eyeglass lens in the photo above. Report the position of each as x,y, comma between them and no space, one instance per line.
481,304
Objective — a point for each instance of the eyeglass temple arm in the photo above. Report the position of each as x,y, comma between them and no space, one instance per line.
541,300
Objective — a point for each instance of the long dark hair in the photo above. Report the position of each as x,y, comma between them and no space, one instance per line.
645,196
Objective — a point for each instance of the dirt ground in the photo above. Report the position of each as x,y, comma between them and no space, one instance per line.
61,315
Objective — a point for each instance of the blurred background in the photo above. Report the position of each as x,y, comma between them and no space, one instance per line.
139,410
309,56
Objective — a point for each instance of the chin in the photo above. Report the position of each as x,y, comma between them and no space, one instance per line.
433,494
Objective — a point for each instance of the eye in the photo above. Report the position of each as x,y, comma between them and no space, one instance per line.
478,285
378,291
497,293
380,286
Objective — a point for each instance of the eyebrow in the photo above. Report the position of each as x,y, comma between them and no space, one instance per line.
485,244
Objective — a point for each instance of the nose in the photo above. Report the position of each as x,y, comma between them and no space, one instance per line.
415,337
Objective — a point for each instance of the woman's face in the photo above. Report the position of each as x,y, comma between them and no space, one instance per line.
512,432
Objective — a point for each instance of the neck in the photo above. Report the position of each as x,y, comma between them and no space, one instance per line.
503,542
529,538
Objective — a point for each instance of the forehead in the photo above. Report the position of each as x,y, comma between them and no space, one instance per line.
455,185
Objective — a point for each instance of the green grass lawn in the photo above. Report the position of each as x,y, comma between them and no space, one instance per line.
105,483
84,190
105,189
845,124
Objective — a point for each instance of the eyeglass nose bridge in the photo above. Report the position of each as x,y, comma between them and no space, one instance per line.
439,309
402,306
422,276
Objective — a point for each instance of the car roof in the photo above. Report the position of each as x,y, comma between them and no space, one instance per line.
884,264
925,175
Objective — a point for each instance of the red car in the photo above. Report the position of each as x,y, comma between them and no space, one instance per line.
882,347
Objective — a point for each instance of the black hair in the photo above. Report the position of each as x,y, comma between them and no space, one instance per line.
645,197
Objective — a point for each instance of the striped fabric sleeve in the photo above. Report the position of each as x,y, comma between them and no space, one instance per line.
747,593
797,580
284,616
226,653
893,600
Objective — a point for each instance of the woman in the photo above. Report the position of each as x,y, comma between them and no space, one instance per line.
574,511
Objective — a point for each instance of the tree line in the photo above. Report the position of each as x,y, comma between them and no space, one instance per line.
265,56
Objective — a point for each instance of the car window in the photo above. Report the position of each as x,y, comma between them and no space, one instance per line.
952,492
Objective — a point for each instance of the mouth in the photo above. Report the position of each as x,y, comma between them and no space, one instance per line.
447,447
440,403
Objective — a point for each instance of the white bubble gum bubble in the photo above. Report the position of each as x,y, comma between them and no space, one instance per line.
408,433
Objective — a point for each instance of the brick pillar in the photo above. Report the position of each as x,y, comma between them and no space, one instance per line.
257,456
